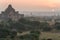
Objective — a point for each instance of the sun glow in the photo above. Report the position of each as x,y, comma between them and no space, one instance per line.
36,4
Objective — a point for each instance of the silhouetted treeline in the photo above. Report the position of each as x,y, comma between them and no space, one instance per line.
26,25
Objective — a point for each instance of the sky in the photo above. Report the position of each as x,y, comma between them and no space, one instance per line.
34,5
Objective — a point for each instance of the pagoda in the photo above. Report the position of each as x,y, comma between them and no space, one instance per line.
10,13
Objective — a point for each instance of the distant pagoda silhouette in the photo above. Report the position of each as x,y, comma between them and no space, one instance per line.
10,13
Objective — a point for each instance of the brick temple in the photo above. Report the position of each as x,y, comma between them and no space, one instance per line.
10,13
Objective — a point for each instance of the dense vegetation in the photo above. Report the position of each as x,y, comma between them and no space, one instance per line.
10,28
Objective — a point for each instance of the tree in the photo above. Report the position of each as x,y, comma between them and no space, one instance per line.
13,34
4,33
57,26
35,35
47,29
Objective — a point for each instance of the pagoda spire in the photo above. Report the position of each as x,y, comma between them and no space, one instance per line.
9,8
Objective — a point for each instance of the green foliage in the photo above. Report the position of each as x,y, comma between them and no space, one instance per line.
34,35
4,33
47,29
13,34
43,39
25,25
57,26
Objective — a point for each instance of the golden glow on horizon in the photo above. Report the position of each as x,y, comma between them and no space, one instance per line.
31,3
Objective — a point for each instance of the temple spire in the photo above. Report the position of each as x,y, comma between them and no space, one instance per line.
10,13
9,8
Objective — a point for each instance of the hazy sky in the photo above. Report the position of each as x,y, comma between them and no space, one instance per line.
30,4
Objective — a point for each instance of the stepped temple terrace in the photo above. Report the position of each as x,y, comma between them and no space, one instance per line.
10,13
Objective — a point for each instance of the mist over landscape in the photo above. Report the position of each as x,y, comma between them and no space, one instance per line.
29,19
36,7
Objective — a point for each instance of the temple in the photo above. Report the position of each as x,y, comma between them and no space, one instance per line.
10,13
